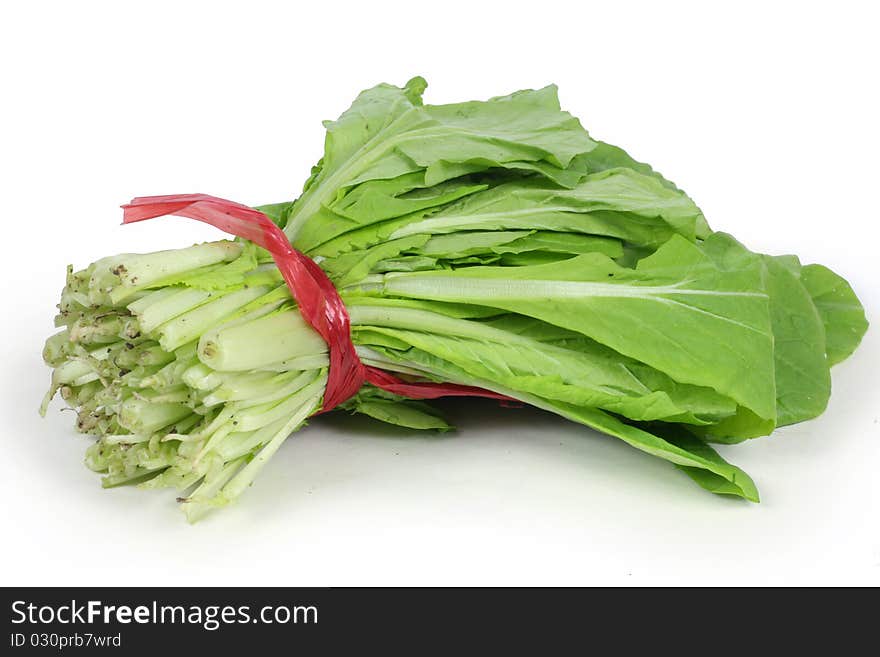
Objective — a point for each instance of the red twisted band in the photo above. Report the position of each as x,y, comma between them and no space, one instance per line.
317,298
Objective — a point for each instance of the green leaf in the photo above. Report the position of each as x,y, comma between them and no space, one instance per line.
701,320
733,481
391,141
408,413
699,461
550,242
839,308
591,375
606,156
377,200
803,382
353,266
617,203
690,454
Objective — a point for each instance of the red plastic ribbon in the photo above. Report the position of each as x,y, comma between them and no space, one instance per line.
317,298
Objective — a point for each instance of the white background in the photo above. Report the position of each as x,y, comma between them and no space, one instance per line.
767,114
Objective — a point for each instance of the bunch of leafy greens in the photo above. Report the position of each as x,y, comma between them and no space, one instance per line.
493,244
